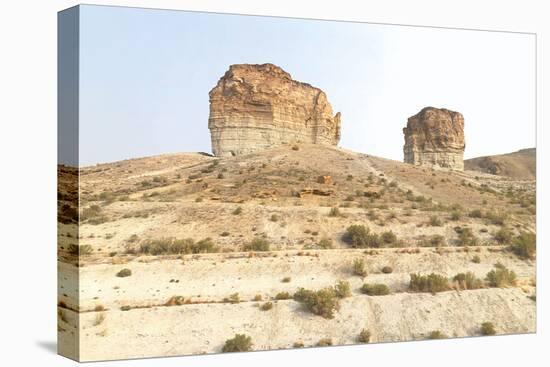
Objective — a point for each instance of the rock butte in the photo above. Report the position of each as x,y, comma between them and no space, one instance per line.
435,137
254,107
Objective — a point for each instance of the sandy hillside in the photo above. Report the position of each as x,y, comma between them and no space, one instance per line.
179,252
519,165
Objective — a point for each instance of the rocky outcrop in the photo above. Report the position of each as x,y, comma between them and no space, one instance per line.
435,137
254,107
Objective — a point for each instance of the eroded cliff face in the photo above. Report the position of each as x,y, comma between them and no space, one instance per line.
435,137
255,107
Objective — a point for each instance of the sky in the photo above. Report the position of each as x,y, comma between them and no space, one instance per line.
145,76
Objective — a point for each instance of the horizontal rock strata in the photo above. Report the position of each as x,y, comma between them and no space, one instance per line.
255,107
435,137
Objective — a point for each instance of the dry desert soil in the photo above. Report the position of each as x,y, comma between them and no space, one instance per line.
175,254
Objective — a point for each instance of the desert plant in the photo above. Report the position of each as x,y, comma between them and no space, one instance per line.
334,212
476,213
524,245
435,221
266,306
468,280
238,210
388,237
274,217
487,328
124,273
476,259
364,336
455,215
387,270
325,342
239,343
234,298
359,268
501,277
257,298
504,236
325,243
375,289
323,302
436,334
359,236
257,244
286,279
342,289
466,237
432,283
282,296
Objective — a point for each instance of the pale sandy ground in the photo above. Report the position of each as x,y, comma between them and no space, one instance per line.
203,325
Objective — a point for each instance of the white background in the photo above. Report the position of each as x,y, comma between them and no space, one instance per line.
28,182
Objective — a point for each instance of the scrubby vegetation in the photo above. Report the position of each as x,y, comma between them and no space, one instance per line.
359,236
282,296
524,245
325,243
325,342
364,336
323,302
387,270
500,277
466,237
487,328
173,246
124,273
266,306
82,250
437,334
375,289
358,268
468,280
257,244
342,289
432,283
239,343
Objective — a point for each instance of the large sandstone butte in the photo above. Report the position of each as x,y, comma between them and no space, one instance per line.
435,137
254,107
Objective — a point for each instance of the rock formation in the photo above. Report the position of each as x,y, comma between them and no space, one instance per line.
254,107
435,137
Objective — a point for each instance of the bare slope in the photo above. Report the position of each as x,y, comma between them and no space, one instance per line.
518,165
136,212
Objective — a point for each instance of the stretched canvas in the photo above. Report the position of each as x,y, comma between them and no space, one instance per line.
231,183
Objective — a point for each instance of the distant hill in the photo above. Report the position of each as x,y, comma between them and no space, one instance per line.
519,165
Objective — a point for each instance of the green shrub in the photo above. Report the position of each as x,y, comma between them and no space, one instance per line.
325,243
342,289
455,215
274,217
257,244
282,296
466,237
435,240
500,277
325,342
359,268
476,213
387,270
436,334
173,246
323,302
234,298
364,336
432,283
435,221
388,237
487,328
375,289
503,236
476,259
524,245
266,306
359,236
334,212
239,343
496,218
124,273
468,280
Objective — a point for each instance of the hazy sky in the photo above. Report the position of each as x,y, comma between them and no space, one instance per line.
145,77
